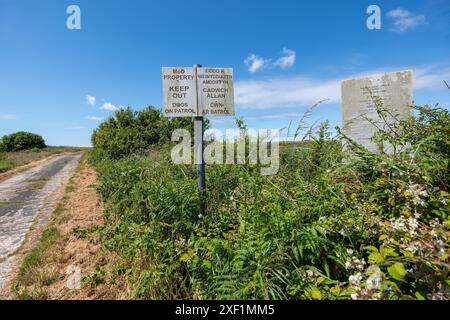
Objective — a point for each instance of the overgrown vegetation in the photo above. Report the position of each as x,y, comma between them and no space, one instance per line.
130,132
19,141
332,224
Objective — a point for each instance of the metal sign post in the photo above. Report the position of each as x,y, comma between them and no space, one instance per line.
198,132
198,92
198,143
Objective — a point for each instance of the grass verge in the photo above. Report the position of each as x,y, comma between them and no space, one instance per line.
37,269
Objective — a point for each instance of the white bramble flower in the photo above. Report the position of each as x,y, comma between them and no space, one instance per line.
418,192
423,194
354,296
412,248
413,223
355,279
421,203
374,280
355,263
402,224
309,273
398,224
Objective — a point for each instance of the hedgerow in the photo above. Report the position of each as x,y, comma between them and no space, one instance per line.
334,223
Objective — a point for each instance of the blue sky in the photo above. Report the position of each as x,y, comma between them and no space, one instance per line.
286,55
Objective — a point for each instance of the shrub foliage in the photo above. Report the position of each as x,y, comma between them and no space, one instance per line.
131,132
21,141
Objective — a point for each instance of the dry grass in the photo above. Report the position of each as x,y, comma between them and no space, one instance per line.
11,160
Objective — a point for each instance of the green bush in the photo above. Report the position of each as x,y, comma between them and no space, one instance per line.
21,141
131,132
374,226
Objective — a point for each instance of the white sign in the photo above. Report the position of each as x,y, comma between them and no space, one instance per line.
179,92
359,115
192,92
215,91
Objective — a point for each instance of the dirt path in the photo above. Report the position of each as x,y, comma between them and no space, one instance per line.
26,198
74,246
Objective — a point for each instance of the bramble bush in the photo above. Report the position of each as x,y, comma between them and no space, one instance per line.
19,141
334,223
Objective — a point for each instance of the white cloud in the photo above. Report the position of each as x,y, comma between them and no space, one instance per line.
90,100
286,92
276,116
94,118
430,78
404,20
216,122
109,106
255,63
286,61
222,121
8,117
305,91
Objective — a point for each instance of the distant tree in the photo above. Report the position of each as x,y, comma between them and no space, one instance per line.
21,141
